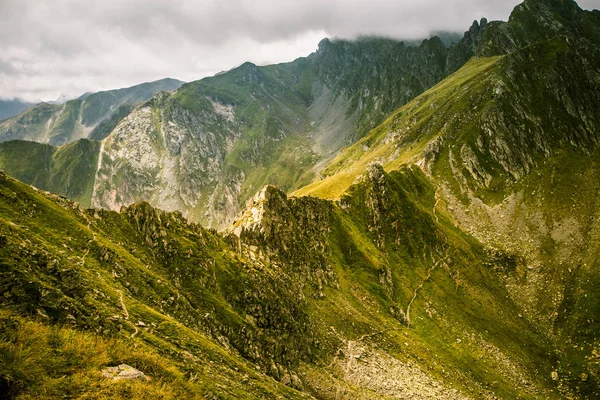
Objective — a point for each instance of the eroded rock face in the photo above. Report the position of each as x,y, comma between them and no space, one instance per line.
166,155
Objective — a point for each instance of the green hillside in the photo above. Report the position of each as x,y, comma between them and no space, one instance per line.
295,296
67,170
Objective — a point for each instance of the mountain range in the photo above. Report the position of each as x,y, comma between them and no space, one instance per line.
394,221
206,148
92,116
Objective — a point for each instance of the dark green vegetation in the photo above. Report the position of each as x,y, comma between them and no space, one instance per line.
57,124
104,128
511,141
67,170
469,270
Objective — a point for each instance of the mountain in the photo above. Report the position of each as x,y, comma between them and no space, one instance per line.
61,99
326,298
58,124
10,108
511,143
207,148
450,253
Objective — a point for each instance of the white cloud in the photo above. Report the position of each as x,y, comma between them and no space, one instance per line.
73,46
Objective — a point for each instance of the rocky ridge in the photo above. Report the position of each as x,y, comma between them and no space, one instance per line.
502,156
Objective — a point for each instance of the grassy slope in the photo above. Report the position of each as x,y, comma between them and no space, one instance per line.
199,295
460,315
30,124
72,270
384,239
68,170
419,121
531,123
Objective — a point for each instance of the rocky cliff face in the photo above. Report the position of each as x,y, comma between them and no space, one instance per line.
164,154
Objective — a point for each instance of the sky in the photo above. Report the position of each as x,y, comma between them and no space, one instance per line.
68,47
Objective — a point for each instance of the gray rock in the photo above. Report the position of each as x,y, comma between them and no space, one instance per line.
123,371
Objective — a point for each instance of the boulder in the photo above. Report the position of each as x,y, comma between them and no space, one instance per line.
123,371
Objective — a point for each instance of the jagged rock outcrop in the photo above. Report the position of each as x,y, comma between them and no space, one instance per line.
536,21
292,232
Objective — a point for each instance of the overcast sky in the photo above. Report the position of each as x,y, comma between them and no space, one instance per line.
54,47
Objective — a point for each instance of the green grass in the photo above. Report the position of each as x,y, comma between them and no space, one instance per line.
42,362
68,170
228,317
414,120
352,265
48,279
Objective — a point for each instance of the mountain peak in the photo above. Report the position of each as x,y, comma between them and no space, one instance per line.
549,9
63,98
536,20
565,4
324,44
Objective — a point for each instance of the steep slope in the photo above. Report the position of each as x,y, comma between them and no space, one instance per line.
206,149
469,271
328,298
511,143
507,110
10,108
68,170
57,124
110,275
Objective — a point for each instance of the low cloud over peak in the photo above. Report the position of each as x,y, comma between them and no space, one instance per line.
74,46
